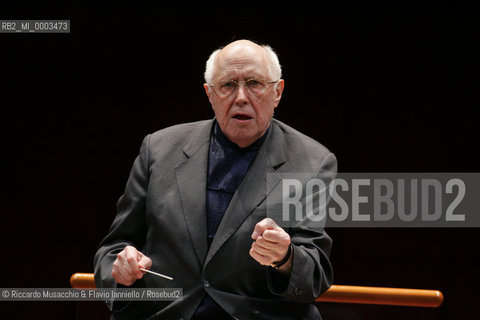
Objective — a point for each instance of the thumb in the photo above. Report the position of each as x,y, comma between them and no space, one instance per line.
144,261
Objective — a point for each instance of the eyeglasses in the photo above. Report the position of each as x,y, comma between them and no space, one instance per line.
254,86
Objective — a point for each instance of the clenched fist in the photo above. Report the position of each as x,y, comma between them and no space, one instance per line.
271,244
126,268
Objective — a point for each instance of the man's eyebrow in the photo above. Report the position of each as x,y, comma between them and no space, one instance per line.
254,75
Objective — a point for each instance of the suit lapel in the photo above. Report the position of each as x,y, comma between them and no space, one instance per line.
254,188
191,176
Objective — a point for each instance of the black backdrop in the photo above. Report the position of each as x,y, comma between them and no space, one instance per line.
389,88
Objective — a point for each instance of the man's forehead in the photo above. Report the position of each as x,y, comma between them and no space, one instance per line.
242,62
241,51
248,72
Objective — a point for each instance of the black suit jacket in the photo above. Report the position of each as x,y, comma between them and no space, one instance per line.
163,214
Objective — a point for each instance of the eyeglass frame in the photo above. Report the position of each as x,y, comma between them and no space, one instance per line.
244,84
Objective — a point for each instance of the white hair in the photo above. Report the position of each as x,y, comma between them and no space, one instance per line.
210,66
274,67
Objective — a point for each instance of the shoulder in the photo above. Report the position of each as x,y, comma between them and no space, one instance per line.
301,149
180,131
175,138
297,140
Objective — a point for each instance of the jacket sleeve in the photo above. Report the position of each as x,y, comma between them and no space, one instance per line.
128,227
312,272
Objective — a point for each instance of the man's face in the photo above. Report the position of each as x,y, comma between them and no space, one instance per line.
244,114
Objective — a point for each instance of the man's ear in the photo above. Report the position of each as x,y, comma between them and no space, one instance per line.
208,91
278,91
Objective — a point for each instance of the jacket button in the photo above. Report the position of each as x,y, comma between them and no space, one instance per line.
206,284
297,291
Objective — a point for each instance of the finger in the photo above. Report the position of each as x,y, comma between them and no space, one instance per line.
264,243
145,262
279,236
271,255
274,254
263,225
263,260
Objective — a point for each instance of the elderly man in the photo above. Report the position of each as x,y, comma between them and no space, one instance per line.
195,207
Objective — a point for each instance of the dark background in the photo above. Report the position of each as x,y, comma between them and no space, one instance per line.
387,88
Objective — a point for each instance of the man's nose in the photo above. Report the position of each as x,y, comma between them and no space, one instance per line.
241,94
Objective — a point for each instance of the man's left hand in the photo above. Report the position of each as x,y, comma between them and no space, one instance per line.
271,244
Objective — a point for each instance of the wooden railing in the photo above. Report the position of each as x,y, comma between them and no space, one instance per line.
338,293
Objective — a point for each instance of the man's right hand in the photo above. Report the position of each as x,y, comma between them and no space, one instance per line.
126,268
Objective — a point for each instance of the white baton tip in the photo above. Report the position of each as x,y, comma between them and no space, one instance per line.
157,274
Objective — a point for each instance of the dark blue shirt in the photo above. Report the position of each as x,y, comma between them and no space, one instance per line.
227,165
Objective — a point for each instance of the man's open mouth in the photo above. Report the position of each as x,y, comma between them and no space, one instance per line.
242,117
